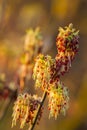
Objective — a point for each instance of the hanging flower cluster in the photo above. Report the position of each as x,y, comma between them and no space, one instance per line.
58,99
47,71
25,109
32,47
67,46
33,43
42,71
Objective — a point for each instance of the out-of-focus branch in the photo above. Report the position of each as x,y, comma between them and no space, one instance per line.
5,107
7,96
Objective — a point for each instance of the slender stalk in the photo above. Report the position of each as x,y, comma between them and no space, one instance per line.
39,108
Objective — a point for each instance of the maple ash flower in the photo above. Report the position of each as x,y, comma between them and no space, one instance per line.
67,45
25,109
47,72
41,71
58,99
33,42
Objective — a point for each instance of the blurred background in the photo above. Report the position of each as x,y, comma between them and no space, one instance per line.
16,16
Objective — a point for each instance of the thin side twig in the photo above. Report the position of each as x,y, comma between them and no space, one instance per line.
39,108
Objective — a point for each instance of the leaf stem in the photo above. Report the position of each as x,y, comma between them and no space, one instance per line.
39,108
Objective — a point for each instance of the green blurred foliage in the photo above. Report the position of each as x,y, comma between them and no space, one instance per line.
16,16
